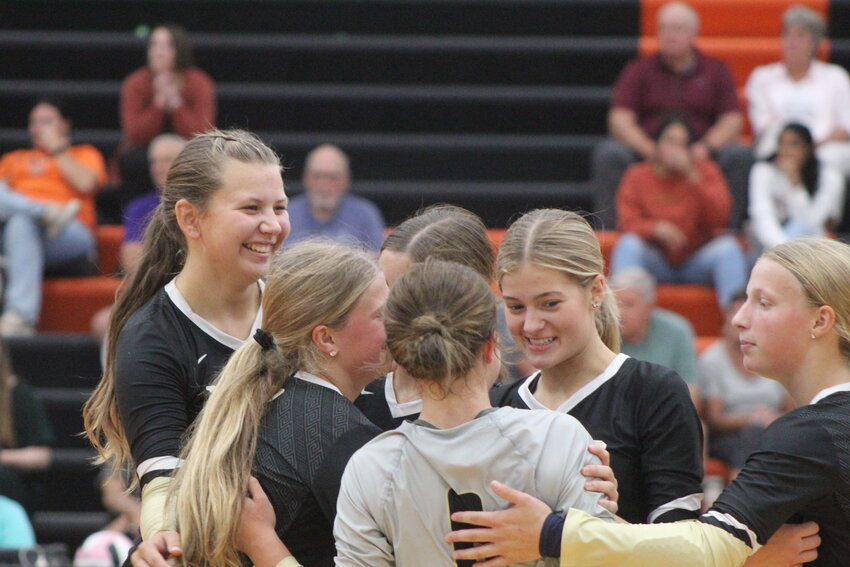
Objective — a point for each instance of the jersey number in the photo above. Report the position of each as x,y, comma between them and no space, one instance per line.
468,501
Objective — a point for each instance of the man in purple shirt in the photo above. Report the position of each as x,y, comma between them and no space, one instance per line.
326,208
681,80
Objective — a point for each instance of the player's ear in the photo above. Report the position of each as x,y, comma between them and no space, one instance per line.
323,338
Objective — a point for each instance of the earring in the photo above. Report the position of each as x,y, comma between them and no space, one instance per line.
813,336
595,304
333,352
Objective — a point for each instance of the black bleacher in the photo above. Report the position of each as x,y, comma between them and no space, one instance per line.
491,104
63,370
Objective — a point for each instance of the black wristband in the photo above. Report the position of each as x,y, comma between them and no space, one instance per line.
550,536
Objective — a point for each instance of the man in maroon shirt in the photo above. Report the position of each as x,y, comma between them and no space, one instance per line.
677,79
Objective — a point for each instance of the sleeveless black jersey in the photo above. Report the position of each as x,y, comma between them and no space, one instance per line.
306,438
644,414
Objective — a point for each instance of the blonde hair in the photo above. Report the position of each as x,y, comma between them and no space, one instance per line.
194,176
822,267
438,317
314,282
445,232
562,241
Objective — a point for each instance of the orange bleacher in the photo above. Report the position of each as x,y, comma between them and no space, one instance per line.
68,304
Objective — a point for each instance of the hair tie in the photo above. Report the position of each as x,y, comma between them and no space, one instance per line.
264,339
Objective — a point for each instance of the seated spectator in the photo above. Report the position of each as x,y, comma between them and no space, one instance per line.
802,89
52,174
669,210
25,435
167,95
738,404
651,333
678,78
161,153
792,193
327,208
15,527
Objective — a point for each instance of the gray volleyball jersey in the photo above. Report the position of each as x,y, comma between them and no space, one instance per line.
398,490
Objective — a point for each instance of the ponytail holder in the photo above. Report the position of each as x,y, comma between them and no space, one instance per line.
264,339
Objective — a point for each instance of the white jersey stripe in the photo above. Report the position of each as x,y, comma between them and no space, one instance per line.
691,503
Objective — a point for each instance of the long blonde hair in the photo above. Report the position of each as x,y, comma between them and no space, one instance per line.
312,283
438,317
822,267
195,175
562,241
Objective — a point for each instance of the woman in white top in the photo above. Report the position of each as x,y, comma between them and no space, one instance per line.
792,193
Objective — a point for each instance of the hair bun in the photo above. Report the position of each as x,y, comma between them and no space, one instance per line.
428,324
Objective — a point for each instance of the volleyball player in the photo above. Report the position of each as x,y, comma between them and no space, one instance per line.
194,299
399,490
282,409
795,328
563,316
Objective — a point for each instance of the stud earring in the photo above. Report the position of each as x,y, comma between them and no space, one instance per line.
595,305
333,353
813,336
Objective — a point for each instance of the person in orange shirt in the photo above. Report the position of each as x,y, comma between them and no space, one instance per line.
46,211
672,211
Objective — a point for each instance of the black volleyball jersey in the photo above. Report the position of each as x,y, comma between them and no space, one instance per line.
166,356
800,472
379,404
306,438
644,414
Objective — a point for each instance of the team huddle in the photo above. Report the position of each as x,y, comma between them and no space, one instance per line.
361,402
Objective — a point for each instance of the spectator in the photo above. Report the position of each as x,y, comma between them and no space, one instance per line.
15,527
25,435
327,208
669,210
802,89
651,333
162,151
792,193
52,174
168,94
678,78
738,404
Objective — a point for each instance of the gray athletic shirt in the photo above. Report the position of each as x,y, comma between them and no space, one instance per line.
393,505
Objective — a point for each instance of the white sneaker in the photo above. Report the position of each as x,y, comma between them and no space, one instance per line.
13,325
55,218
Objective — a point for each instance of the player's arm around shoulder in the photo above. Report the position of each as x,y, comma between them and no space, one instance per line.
559,472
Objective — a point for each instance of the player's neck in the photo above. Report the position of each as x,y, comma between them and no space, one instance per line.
559,383
228,308
816,374
465,400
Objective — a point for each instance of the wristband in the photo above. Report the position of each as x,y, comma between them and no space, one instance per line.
550,536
